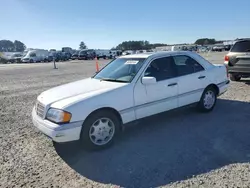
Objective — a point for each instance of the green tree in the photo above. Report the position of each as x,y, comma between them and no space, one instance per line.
9,46
6,46
19,46
138,45
205,41
82,46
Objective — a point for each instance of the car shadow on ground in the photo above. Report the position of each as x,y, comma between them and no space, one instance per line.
168,147
246,81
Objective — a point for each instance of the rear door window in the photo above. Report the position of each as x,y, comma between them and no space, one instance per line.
242,46
162,69
186,65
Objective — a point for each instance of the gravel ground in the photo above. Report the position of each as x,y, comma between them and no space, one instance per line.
181,148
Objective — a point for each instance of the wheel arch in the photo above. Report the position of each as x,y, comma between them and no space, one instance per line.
110,109
215,87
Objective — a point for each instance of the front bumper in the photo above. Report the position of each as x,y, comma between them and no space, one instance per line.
58,133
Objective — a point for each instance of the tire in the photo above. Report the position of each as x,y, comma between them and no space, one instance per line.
209,96
90,142
234,77
31,61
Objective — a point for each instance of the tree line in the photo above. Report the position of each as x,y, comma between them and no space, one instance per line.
206,41
129,45
9,46
18,46
145,45
137,45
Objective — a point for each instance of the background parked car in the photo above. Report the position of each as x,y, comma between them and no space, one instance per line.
75,55
65,56
218,48
33,56
58,56
16,58
238,60
87,54
50,58
228,47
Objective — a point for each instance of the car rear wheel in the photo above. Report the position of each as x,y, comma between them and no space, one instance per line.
208,100
100,130
235,77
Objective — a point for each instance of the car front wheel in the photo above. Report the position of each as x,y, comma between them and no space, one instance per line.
100,130
208,100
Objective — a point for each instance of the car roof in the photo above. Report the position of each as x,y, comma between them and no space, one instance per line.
156,54
242,39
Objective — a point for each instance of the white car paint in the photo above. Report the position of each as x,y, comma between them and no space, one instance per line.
132,100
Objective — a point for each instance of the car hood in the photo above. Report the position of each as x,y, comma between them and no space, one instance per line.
86,88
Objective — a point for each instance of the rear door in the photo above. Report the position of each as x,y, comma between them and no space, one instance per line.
192,78
239,57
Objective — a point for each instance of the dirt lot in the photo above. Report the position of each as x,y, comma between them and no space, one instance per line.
181,148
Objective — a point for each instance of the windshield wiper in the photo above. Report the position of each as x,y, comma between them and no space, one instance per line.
248,50
113,80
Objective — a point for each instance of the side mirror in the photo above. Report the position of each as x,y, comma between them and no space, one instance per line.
148,80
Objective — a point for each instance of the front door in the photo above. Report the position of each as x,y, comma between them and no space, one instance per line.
160,96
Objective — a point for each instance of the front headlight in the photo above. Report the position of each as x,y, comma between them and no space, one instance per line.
58,116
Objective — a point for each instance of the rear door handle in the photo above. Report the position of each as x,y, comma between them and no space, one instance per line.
201,77
172,84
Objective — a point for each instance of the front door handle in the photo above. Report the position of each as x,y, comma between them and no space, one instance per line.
201,77
172,84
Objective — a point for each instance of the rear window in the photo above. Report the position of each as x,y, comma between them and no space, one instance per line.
242,46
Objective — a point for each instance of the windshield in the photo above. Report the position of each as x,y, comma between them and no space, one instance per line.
121,70
32,55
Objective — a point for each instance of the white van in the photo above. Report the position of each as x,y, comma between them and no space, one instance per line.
34,56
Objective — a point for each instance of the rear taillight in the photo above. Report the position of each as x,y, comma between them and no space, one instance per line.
226,58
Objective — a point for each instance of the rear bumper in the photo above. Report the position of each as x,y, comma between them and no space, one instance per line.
58,133
223,86
243,68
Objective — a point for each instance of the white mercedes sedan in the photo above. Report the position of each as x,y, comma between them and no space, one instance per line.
131,87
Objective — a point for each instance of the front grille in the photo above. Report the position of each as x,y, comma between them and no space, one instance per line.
40,108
